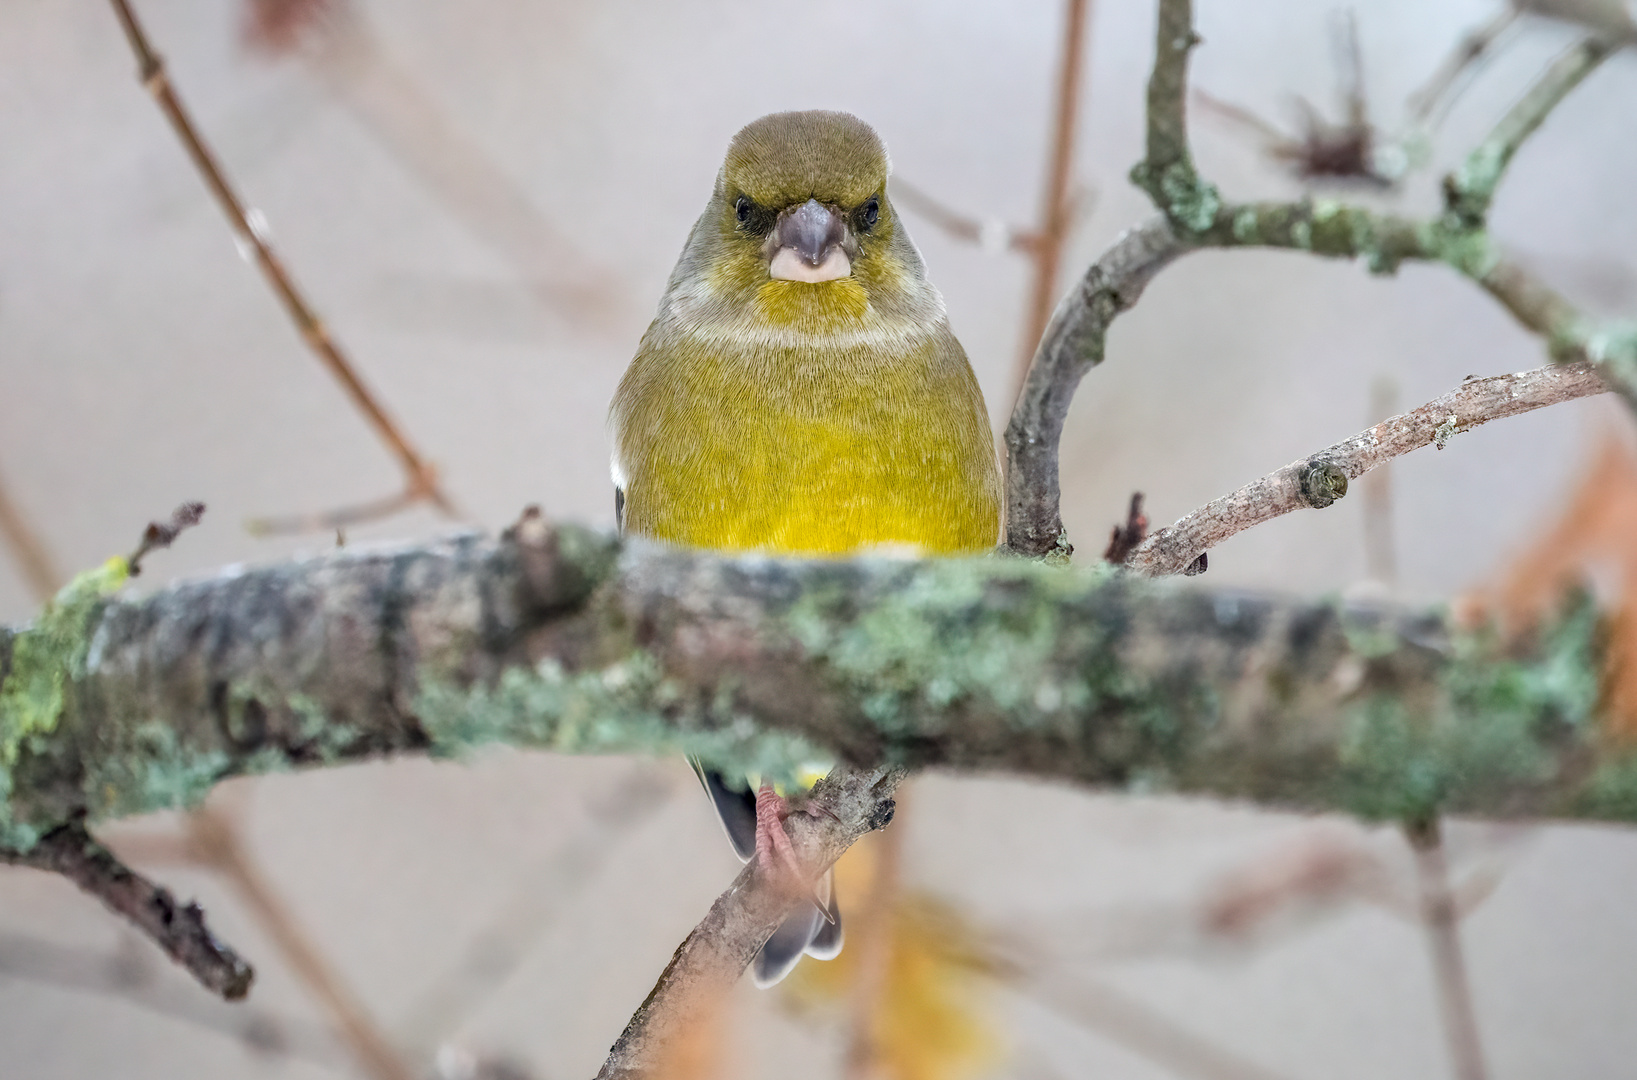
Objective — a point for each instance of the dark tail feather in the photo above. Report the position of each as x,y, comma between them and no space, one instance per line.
786,946
735,806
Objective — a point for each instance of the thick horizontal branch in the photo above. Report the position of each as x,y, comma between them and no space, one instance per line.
564,640
1320,479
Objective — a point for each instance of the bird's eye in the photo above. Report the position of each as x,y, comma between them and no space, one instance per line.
872,212
741,209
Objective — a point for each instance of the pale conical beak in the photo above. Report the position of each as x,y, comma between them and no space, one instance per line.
808,239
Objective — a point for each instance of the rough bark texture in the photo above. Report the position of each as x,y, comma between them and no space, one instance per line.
1320,479
843,807
562,640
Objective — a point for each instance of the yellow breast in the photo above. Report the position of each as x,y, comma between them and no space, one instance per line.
806,443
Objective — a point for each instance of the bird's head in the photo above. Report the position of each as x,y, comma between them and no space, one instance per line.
799,224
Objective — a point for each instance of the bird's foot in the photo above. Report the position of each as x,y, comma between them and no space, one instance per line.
774,852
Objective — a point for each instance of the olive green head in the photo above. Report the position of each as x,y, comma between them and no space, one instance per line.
799,232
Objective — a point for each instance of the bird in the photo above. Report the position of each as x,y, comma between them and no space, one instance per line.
800,392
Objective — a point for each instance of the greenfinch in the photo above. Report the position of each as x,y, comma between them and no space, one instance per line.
800,391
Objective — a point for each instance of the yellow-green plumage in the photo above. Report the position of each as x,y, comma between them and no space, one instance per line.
800,391
804,417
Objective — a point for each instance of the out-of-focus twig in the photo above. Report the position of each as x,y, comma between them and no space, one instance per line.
1128,1022
991,234
1610,20
1057,211
421,481
871,937
1347,152
215,841
1380,550
27,549
1444,943
127,975
542,892
177,928
162,534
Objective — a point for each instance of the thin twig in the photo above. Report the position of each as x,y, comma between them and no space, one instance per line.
179,929
1469,191
871,935
1380,550
543,892
162,534
421,482
1320,479
216,841
991,234
1444,943
1056,211
711,959
1475,46
129,976
29,551
335,520
1128,1022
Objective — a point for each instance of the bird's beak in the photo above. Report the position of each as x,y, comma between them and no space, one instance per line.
807,244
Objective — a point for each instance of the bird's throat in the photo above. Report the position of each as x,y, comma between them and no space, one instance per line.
818,307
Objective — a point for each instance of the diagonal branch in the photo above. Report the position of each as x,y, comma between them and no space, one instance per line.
179,929
26,547
1469,191
845,806
1320,479
420,477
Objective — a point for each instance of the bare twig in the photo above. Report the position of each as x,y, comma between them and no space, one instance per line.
421,481
128,975
710,960
1469,191
1435,95
391,103
179,929
1056,210
1072,345
1128,1022
29,551
1442,921
214,839
162,534
542,892
991,234
1319,480
1380,549
1124,538
871,934
338,520
1322,150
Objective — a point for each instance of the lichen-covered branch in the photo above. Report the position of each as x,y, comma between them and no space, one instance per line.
1471,188
564,640
842,807
1073,344
1194,216
1318,480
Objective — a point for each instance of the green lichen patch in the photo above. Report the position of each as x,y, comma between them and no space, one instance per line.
45,657
1501,727
626,707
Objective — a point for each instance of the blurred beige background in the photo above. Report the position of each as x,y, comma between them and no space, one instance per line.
143,362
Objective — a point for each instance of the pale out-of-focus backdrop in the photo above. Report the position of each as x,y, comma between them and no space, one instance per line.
493,304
